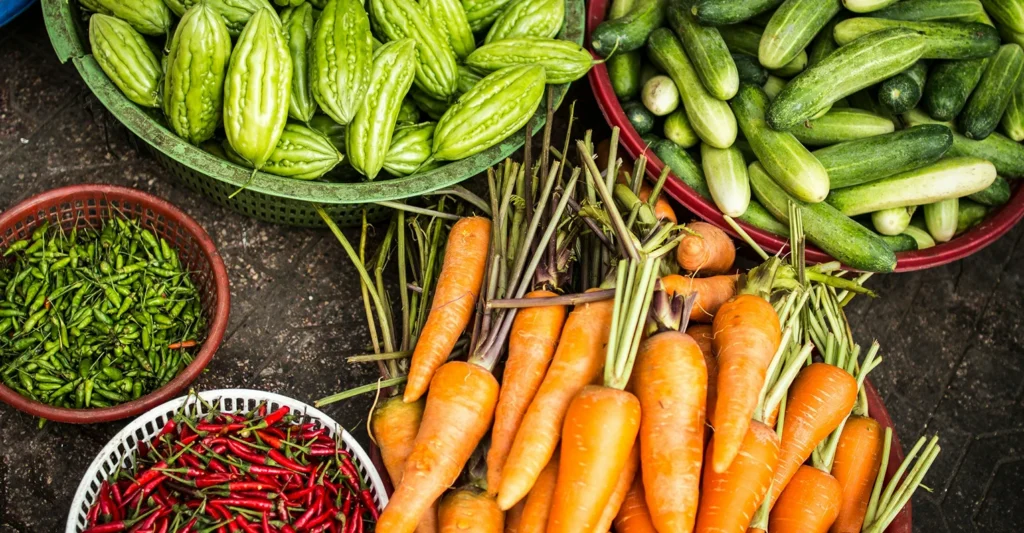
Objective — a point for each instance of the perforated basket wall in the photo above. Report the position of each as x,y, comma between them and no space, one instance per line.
119,451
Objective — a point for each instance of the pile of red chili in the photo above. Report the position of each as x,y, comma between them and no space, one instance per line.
257,472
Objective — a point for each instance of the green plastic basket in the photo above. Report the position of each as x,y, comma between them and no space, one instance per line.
268,197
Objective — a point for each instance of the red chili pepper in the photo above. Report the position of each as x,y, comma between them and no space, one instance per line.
143,449
265,521
324,517
192,463
248,503
280,459
220,429
162,526
189,526
287,529
112,527
246,453
261,411
312,510
322,450
168,427
217,466
269,470
144,477
212,480
347,506
299,494
245,525
271,440
275,432
350,521
333,528
219,449
320,528
239,486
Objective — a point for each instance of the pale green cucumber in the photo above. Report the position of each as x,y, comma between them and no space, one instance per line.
708,52
892,221
726,174
677,129
792,27
924,240
841,125
940,218
773,87
1013,118
867,6
746,39
969,215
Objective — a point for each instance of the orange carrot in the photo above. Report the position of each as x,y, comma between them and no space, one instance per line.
633,515
531,344
513,518
470,510
662,208
746,336
537,506
671,384
702,334
601,426
622,486
460,406
820,398
394,424
809,504
458,285
706,250
729,499
711,293
857,460
577,362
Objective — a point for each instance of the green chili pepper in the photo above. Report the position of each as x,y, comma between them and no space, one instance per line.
16,246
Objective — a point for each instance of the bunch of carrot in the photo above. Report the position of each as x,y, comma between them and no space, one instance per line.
659,396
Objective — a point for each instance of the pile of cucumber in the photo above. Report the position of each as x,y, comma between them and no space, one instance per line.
893,125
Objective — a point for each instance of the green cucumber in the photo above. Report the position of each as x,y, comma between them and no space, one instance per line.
924,240
849,69
746,39
726,174
689,173
1013,118
791,28
1004,153
1008,13
838,235
941,217
932,10
706,49
900,243
856,162
945,179
995,195
969,215
723,12
841,125
949,84
773,87
639,116
750,71
892,221
943,40
624,68
660,96
990,98
677,129
782,155
823,43
745,149
629,32
710,117
867,6
902,92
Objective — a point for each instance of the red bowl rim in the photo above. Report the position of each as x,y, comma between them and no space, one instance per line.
974,239
215,335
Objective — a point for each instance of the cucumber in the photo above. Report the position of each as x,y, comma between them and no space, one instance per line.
902,92
849,69
1008,13
677,129
639,116
706,49
624,73
864,160
995,195
892,221
940,218
969,215
785,159
791,28
745,149
841,125
749,70
989,100
1004,153
933,10
838,235
710,117
867,6
773,87
648,71
823,43
688,172
924,240
629,32
949,84
722,12
746,39
943,40
900,243
945,179
1013,118
726,175
660,96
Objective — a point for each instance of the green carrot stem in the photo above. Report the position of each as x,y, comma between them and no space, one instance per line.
374,357
746,237
418,210
356,391
465,194
564,299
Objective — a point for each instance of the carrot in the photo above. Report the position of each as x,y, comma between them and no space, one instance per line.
601,426
746,336
820,398
711,293
706,250
622,486
809,504
460,406
662,208
633,515
513,518
577,362
470,510
671,384
458,285
394,425
729,499
537,504
702,334
531,345
857,460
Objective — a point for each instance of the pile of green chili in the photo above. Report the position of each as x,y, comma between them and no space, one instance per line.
94,318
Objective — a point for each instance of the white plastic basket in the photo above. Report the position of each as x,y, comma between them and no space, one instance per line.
119,452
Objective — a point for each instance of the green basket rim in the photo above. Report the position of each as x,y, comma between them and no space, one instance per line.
66,39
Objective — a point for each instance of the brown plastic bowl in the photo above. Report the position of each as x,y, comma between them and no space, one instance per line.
87,205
